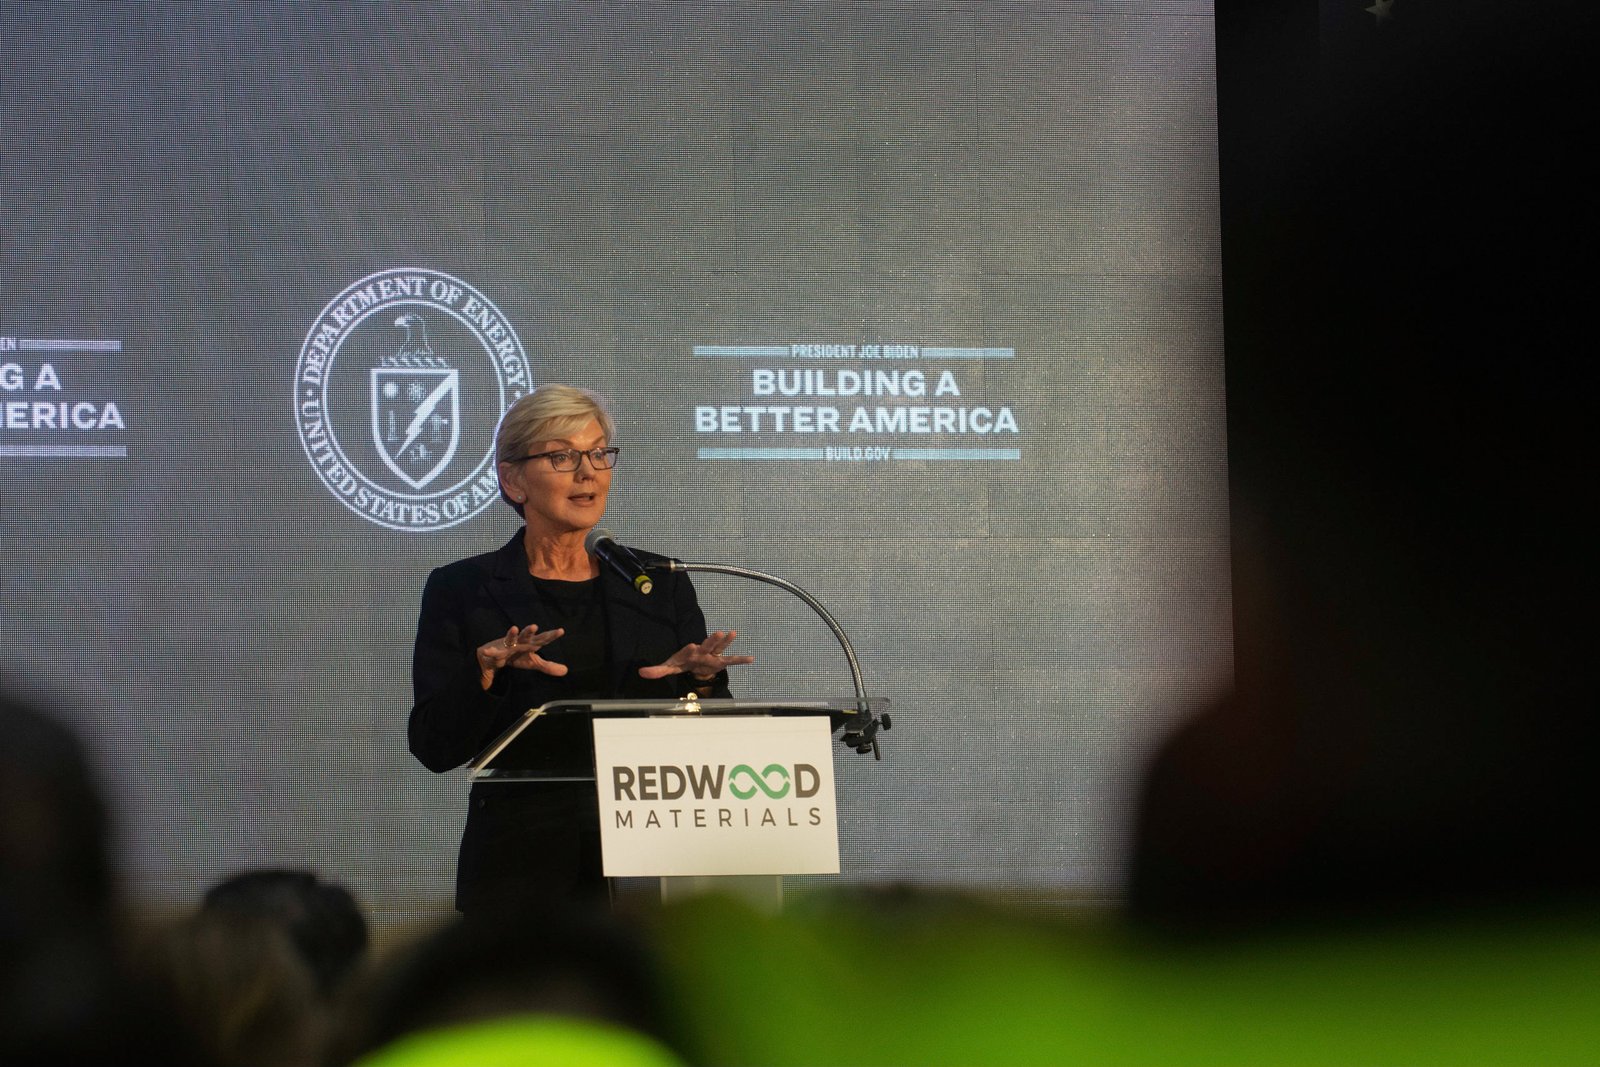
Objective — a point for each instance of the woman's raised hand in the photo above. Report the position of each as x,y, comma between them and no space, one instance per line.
518,648
704,660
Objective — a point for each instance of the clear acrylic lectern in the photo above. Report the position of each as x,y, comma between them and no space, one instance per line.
514,757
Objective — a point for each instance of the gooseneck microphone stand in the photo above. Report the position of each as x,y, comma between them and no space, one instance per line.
860,732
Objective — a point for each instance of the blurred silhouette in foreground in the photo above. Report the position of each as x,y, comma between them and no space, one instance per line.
257,974
240,989
322,920
1412,725
930,977
563,986
66,996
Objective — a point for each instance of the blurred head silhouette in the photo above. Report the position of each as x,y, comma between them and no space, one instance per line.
65,994
321,920
575,965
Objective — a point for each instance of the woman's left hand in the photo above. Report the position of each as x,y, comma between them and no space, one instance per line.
704,660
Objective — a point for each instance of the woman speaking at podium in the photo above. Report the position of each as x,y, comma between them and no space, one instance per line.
541,620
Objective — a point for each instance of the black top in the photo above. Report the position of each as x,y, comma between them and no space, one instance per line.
473,601
526,841
582,649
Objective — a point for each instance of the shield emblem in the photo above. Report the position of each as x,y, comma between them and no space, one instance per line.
416,420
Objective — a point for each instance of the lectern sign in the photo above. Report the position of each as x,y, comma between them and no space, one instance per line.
716,795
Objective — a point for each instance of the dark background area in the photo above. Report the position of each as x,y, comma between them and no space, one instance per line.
1404,243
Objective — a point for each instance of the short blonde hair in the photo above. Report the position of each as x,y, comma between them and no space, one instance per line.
548,413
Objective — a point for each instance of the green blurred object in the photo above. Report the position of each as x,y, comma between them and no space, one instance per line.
524,1041
943,981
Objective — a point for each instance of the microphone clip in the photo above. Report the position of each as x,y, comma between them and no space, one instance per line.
861,733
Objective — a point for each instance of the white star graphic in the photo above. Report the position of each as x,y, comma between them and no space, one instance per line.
1381,10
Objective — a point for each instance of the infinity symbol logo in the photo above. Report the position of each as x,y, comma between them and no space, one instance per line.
755,781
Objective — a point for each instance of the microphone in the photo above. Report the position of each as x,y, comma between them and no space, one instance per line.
625,563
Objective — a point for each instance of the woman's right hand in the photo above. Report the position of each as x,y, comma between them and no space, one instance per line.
518,648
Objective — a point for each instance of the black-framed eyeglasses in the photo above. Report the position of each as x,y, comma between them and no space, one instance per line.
567,460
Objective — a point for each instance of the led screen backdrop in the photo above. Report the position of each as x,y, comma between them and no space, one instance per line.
916,305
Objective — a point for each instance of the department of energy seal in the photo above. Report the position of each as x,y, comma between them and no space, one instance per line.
398,392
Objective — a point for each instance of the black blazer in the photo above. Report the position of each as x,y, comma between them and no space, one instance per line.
534,838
